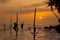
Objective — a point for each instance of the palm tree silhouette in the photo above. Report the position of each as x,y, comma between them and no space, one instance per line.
56,4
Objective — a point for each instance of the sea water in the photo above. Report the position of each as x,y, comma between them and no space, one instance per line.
43,34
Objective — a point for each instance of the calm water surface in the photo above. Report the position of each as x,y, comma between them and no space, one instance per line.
27,35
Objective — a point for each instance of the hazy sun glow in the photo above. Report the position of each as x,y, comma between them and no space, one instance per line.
41,17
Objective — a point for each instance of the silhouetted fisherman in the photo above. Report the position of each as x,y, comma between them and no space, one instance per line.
16,28
22,25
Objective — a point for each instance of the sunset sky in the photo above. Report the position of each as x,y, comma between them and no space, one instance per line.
25,8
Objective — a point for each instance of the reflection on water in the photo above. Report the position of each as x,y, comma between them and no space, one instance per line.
26,35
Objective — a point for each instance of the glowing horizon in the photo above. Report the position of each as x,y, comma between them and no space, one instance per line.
26,12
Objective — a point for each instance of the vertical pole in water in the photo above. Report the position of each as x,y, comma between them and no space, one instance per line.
17,26
11,27
4,27
34,24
